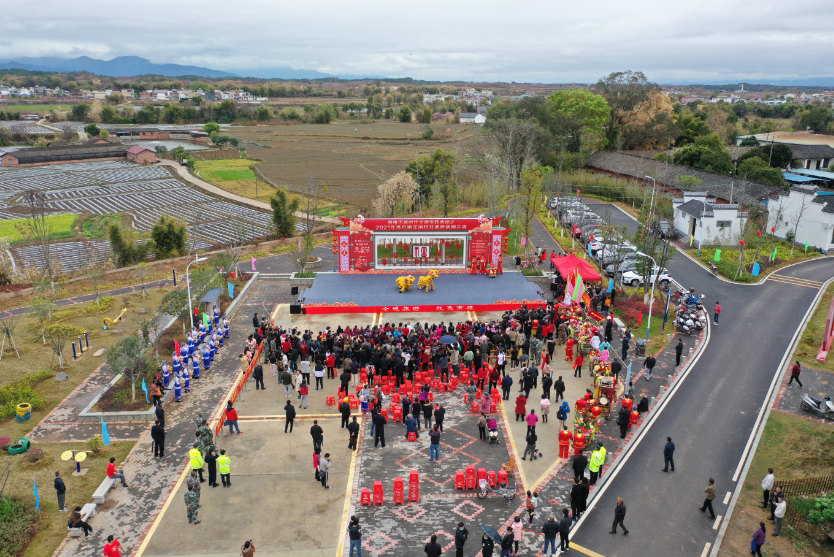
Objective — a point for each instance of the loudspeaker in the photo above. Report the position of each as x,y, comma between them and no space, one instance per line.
295,309
294,290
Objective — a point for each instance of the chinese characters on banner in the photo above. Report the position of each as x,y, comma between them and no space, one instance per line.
362,251
480,245
419,251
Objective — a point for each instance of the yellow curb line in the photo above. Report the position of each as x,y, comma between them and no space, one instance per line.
584,550
547,472
341,548
515,449
305,417
161,513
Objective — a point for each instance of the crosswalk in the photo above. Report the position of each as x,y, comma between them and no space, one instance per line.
795,281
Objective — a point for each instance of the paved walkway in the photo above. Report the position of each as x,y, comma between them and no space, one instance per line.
815,382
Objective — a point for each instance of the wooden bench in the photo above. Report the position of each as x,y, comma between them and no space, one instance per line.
101,492
87,511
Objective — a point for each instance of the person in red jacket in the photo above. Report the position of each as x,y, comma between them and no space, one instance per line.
482,375
303,391
111,549
331,364
565,438
231,418
577,365
520,407
569,349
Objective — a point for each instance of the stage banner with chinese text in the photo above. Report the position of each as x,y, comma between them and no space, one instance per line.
481,244
362,251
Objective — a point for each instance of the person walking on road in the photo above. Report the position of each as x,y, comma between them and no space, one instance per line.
355,534
619,516
550,529
678,352
353,431
648,366
248,549
716,313
710,491
61,491
191,505
580,462
324,470
258,374
559,386
759,538
289,411
669,454
460,538
626,341
194,484
767,485
795,371
317,433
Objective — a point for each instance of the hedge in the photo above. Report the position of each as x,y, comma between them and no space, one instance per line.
22,391
19,522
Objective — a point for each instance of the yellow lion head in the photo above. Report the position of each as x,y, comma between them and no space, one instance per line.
434,273
409,280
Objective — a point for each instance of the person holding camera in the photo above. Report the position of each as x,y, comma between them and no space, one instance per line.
248,549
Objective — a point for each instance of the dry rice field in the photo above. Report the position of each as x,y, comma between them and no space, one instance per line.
350,157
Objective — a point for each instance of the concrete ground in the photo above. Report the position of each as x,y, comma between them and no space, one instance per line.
274,499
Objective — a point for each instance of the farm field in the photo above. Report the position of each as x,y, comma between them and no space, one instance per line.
350,157
15,230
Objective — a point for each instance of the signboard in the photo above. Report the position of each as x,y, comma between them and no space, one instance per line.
481,244
419,251
362,251
417,224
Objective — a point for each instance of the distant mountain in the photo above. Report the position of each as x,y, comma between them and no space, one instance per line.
120,66
292,73
796,82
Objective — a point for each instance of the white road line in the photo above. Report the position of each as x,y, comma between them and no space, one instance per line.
635,442
768,406
706,549
727,497
776,377
717,522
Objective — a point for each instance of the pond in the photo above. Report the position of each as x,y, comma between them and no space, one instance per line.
171,144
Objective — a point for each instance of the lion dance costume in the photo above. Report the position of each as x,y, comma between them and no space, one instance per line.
404,283
428,281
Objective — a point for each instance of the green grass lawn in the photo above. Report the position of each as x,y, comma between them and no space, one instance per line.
234,174
16,230
811,340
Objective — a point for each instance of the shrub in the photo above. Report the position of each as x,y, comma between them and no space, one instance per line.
532,272
630,308
19,522
823,510
21,391
34,455
4,443
95,445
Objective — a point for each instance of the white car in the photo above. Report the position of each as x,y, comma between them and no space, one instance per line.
617,251
635,279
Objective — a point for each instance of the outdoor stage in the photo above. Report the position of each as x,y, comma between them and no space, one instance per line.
374,293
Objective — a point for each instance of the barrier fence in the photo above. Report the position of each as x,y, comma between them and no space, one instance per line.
794,489
241,382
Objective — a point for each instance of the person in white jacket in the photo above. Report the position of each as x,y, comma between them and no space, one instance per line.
324,469
767,485
778,515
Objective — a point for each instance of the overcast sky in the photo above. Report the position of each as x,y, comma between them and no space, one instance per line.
540,41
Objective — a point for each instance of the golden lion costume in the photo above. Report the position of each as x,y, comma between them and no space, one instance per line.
404,283
428,281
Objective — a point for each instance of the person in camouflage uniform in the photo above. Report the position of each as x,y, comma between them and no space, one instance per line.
536,346
206,437
193,484
191,505
471,390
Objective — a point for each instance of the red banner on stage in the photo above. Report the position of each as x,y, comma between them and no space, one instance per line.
405,224
239,387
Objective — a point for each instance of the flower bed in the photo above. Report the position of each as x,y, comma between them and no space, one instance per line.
19,522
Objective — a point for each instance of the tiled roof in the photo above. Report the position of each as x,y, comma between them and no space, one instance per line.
136,149
697,208
811,151
49,154
668,174
827,201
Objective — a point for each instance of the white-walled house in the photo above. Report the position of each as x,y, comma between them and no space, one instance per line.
805,212
707,223
472,118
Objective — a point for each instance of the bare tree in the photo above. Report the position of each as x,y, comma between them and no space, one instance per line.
39,227
142,273
58,335
796,218
96,276
8,323
510,145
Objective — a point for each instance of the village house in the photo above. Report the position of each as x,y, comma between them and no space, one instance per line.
805,213
699,219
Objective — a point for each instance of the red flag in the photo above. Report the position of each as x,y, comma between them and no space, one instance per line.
640,318
177,346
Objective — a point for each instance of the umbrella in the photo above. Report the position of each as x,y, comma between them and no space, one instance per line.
523,358
448,339
492,533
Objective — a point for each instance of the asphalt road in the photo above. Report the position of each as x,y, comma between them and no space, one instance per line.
710,417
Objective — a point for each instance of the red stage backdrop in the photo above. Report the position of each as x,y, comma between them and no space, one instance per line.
391,245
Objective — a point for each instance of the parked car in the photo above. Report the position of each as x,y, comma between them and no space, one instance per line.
620,268
618,251
634,279
667,231
586,230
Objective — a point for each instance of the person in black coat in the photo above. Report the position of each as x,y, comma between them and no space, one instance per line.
507,543
160,414
550,531
575,499
643,405
345,379
211,460
564,529
406,404
289,409
487,546
344,408
428,408
619,516
460,538
623,419
317,433
379,429
678,352
669,455
258,374
433,549
439,415
416,410
580,462
609,330
158,436
547,382
353,429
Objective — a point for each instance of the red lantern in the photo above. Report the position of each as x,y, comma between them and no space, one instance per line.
772,229
196,311
384,261
580,404
759,232
596,411
394,255
742,242
233,275
448,244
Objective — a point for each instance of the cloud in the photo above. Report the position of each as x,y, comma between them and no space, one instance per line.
531,40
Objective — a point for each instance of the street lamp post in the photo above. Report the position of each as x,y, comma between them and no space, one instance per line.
188,283
651,297
654,189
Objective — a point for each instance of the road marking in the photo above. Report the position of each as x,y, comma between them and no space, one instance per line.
348,492
776,377
512,445
585,550
648,425
706,549
727,497
771,279
768,406
717,522
796,279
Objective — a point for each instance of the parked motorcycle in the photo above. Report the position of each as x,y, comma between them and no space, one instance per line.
713,268
822,408
506,491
